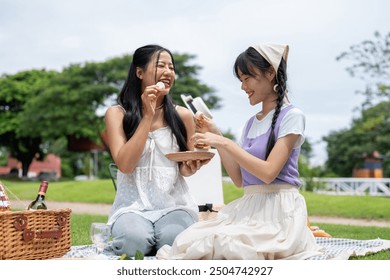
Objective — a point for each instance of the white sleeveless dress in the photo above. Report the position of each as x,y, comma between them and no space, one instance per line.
155,187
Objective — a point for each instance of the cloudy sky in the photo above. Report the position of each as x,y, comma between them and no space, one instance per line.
52,34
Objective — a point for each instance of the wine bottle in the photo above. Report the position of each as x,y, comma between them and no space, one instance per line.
39,203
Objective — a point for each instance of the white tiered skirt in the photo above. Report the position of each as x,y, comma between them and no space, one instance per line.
268,222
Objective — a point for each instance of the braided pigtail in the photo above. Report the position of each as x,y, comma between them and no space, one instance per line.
281,89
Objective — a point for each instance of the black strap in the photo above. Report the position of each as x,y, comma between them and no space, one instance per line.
206,207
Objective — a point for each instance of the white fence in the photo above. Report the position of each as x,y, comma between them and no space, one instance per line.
353,186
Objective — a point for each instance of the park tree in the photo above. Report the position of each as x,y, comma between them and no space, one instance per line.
67,103
70,105
370,131
15,92
371,63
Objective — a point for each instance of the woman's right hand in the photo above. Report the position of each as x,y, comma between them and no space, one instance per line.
188,168
149,98
205,124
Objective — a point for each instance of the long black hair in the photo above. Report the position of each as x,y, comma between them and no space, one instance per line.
130,97
246,62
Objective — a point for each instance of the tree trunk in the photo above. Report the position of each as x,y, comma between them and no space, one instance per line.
26,162
25,151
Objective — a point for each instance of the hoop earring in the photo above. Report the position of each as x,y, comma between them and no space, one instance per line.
275,88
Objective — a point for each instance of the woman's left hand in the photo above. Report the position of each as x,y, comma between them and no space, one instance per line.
205,124
207,139
189,167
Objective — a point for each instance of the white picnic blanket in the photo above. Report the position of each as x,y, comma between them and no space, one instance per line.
335,249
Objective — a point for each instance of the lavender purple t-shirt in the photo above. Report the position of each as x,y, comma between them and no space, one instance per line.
257,147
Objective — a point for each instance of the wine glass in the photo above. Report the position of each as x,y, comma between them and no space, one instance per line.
100,234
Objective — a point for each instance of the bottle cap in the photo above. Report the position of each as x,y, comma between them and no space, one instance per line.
43,187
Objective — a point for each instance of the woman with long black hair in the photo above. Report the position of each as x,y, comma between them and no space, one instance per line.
152,203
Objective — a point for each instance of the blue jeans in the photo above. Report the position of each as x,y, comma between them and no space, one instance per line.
132,232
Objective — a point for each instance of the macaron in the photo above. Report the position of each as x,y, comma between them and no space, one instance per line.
160,85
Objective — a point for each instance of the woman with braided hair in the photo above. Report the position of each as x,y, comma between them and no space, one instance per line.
270,220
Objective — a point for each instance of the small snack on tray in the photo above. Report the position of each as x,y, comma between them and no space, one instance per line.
201,147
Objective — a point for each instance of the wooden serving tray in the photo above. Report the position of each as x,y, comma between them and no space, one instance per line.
190,155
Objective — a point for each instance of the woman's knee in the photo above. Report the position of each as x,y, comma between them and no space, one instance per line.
131,243
132,233
170,225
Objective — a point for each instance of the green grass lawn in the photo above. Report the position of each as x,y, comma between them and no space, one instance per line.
94,191
80,225
102,191
358,207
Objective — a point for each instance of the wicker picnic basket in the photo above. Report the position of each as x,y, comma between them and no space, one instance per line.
34,235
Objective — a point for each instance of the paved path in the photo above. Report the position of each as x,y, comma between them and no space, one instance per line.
104,209
77,208
348,221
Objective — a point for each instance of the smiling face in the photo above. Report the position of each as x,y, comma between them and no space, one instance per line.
159,69
258,87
